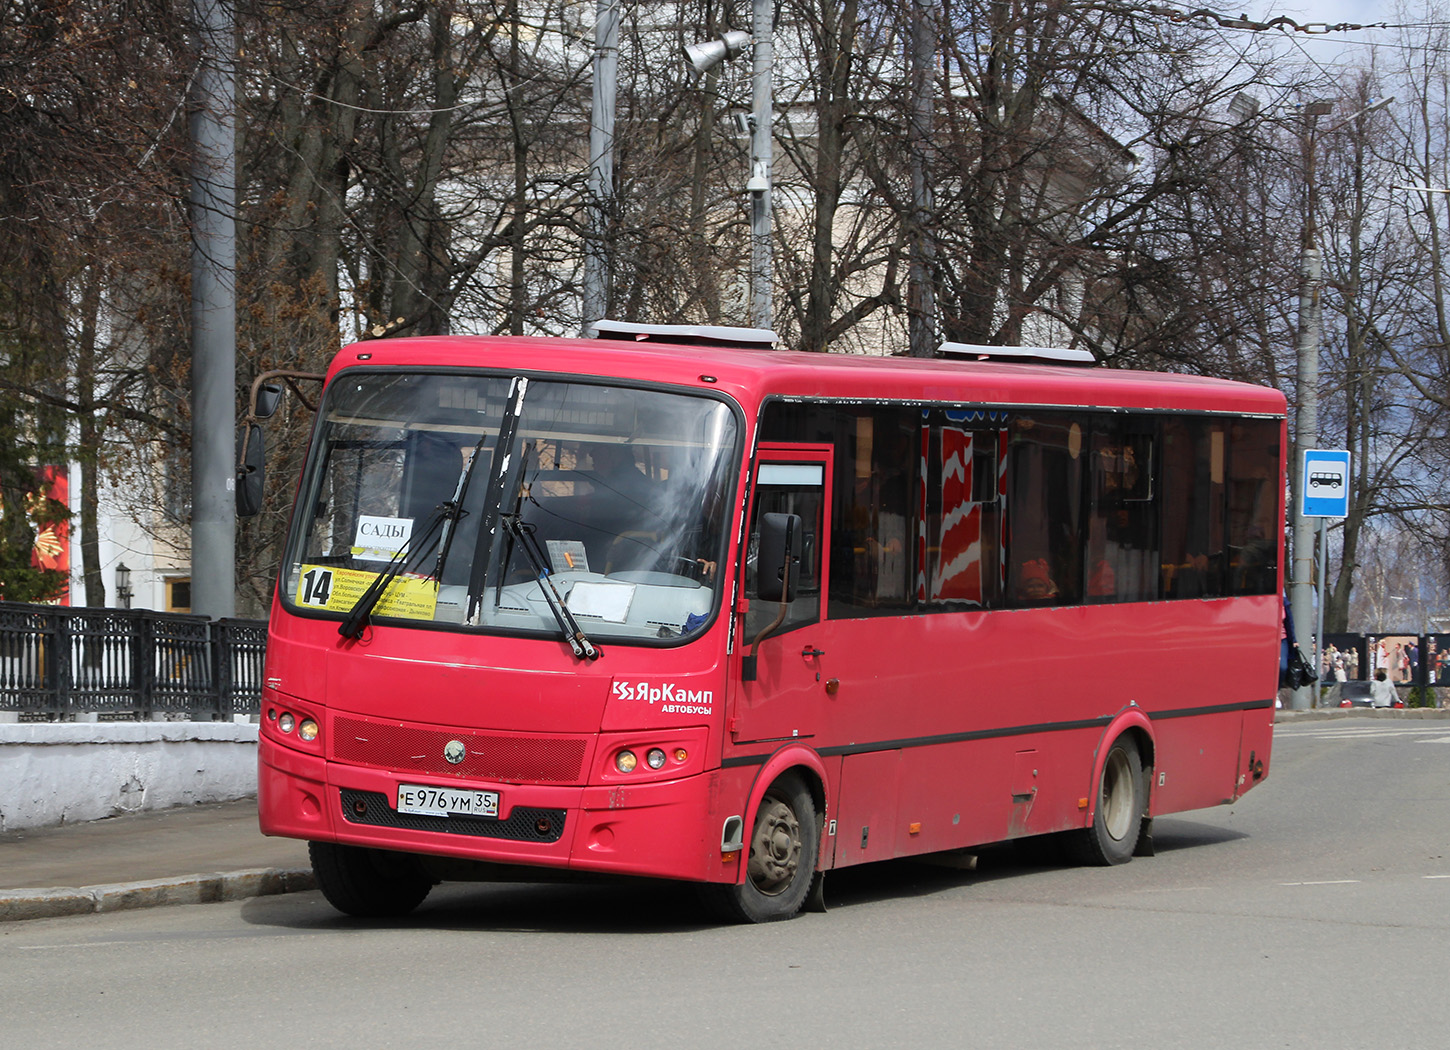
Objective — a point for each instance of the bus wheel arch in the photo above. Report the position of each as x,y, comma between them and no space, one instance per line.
1142,736
1120,803
782,848
800,761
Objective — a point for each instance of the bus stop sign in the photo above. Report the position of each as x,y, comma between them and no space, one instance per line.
1325,492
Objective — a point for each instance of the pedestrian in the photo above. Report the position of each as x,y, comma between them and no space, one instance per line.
1382,691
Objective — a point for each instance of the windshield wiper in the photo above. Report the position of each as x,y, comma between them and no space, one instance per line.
460,494
505,558
583,648
493,498
409,555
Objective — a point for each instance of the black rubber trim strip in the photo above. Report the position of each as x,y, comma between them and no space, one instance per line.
1005,731
1216,709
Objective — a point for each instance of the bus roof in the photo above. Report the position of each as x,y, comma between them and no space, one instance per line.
750,375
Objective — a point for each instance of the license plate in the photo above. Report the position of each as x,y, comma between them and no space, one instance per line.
441,802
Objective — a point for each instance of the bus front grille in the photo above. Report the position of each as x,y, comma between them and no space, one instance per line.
512,758
523,824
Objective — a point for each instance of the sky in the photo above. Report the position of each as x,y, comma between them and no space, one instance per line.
1345,11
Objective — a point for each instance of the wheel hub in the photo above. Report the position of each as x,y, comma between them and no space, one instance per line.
775,848
1117,798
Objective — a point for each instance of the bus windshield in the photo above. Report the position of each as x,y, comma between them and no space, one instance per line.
509,504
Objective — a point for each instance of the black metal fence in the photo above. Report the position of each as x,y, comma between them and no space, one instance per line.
58,662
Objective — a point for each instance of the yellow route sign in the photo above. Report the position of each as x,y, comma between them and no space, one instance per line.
337,590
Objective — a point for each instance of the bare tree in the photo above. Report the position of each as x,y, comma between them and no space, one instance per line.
1079,179
91,147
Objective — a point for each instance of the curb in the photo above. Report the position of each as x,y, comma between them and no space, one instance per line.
1320,714
206,888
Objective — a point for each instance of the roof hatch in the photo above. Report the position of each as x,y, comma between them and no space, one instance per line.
1050,354
686,334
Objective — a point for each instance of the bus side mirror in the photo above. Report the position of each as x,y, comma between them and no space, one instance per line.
780,539
266,399
251,463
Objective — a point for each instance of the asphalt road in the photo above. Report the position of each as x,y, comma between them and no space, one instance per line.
1314,913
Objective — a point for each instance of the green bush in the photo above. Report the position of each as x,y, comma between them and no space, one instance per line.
1419,696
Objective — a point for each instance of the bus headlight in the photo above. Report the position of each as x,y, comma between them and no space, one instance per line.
286,722
308,730
647,755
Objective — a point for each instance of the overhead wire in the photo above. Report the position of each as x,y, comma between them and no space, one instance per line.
1288,28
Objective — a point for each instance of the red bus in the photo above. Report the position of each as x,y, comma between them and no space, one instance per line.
655,605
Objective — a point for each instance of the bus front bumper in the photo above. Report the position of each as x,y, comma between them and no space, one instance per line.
663,829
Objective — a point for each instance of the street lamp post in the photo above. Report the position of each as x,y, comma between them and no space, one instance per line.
707,55
1306,415
601,163
921,294
761,110
213,313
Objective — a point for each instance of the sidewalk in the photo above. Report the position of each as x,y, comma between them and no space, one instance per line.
1320,714
184,855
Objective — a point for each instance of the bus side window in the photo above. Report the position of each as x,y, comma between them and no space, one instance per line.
1122,535
787,488
1193,481
960,511
875,495
1253,506
1044,511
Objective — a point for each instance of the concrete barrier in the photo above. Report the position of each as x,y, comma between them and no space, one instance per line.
65,773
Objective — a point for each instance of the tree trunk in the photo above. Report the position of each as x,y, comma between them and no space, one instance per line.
90,430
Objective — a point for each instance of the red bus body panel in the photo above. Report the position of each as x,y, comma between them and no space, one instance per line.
921,733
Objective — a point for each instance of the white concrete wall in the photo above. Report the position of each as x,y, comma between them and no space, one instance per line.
63,773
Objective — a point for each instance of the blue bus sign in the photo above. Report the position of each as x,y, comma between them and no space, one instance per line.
1326,484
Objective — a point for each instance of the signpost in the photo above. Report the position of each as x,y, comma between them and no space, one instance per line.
1326,484
1323,494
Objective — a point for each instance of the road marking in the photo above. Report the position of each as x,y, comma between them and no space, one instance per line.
1362,731
1326,882
1348,882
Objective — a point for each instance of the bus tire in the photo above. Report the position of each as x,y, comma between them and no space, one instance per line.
368,883
1122,803
782,862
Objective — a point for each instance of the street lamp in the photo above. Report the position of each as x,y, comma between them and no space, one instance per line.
123,585
706,56
710,54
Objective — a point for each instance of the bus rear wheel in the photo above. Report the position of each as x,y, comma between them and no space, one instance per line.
1122,803
368,883
784,844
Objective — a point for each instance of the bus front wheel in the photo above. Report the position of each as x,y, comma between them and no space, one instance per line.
368,883
782,862
1122,803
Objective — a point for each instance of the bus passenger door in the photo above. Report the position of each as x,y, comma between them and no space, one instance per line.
784,698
